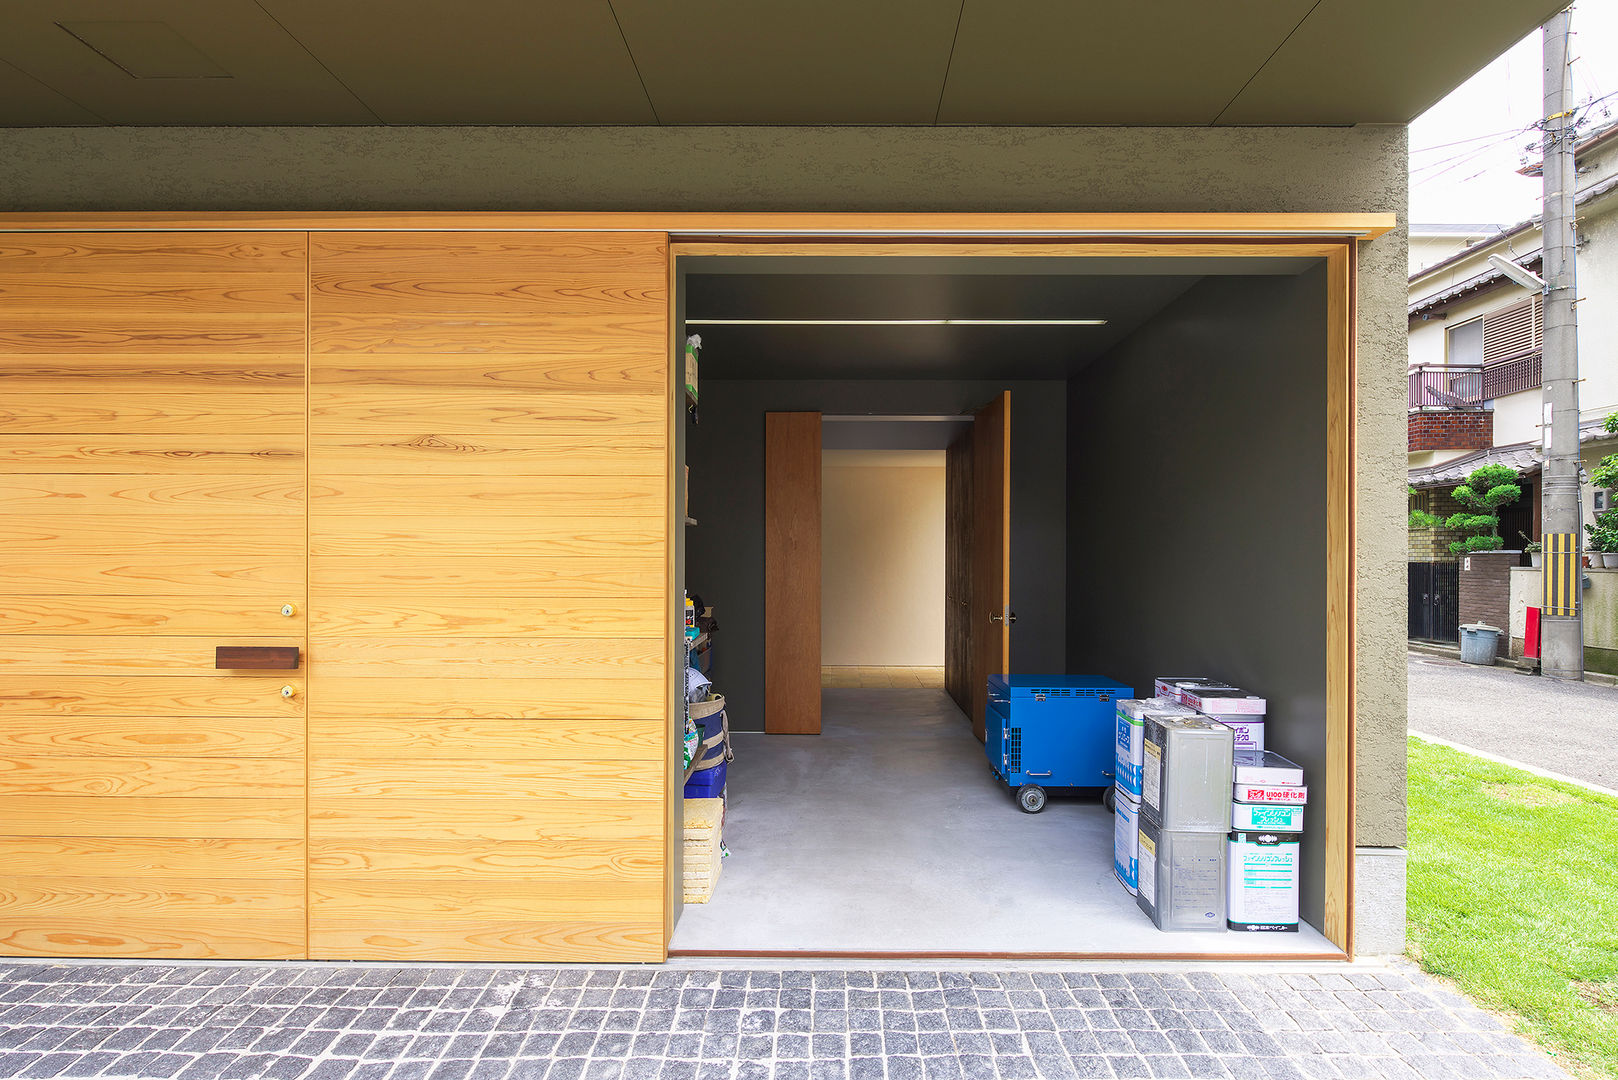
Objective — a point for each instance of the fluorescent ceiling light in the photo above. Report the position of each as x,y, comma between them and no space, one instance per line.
895,322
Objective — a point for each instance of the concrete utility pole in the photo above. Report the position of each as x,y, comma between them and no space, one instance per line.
1562,634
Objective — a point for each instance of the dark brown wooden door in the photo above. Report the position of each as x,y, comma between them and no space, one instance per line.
958,572
792,573
991,616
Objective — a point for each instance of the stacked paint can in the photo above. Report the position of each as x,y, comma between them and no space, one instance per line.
1184,820
1265,844
1128,764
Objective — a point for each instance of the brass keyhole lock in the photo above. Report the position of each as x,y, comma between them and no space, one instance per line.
287,691
289,610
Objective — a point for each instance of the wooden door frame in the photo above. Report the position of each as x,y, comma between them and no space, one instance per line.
1337,248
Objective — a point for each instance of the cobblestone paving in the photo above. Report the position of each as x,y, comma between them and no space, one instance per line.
331,1021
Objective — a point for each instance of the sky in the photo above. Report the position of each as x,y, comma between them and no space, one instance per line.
1464,151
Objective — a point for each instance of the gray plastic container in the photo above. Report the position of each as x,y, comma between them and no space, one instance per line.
1186,773
1181,878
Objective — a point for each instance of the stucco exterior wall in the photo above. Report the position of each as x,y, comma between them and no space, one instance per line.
1321,169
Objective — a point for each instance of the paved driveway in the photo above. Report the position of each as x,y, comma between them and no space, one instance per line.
336,1021
1567,728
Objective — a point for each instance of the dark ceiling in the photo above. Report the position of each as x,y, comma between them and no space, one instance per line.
1126,292
643,62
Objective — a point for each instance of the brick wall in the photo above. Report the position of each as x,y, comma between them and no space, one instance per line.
1451,429
1432,545
1486,587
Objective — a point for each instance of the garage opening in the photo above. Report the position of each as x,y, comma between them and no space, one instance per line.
1113,466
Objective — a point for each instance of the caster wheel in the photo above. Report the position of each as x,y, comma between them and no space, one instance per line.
1031,798
1110,801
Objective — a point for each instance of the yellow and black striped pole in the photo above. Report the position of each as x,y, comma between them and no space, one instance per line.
1563,575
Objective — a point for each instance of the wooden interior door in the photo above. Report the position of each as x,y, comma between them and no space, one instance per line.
792,573
152,508
489,538
991,617
958,572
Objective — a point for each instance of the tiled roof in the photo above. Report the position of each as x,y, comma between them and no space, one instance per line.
1525,458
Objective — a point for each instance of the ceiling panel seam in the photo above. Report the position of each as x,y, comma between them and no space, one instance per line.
65,97
938,111
650,104
1260,69
346,88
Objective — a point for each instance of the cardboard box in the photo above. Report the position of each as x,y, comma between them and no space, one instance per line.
1262,890
1283,794
1266,817
1186,763
1266,767
1126,840
1182,879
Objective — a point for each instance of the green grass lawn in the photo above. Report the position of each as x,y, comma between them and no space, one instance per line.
1514,896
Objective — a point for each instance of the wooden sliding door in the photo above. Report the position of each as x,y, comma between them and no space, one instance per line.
991,617
792,573
488,551
151,509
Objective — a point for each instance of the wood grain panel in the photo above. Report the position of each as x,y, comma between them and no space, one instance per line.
156,937
164,615
606,538
491,737
507,779
147,817
528,861
348,410
468,939
166,859
152,508
792,573
535,699
190,456
202,255
43,697
172,533
488,542
377,578
560,821
173,737
262,578
406,898
118,777
503,455
190,411
637,497
38,654
97,494
1337,799
575,617
474,657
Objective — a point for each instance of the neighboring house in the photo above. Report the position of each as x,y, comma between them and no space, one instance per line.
1475,370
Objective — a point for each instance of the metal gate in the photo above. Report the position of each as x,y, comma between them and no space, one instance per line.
1435,601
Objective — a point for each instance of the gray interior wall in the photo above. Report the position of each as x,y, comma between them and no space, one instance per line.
725,550
1316,169
1197,511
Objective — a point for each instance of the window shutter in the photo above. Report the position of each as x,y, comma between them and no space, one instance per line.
1514,331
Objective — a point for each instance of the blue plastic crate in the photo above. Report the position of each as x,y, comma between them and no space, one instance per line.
706,783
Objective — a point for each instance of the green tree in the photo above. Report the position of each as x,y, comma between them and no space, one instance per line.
1484,492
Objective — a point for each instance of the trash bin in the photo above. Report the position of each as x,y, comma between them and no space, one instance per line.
1480,643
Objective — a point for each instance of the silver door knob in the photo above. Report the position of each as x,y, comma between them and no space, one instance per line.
1008,618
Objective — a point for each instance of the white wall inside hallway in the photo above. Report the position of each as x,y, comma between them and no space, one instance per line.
882,558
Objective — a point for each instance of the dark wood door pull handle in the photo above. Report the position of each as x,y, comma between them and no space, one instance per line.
256,657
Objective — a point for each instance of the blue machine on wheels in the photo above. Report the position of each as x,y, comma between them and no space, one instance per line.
1045,732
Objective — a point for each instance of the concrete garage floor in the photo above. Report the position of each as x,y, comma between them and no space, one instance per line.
888,834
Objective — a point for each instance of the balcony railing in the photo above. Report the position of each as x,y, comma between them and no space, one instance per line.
1446,387
1512,376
